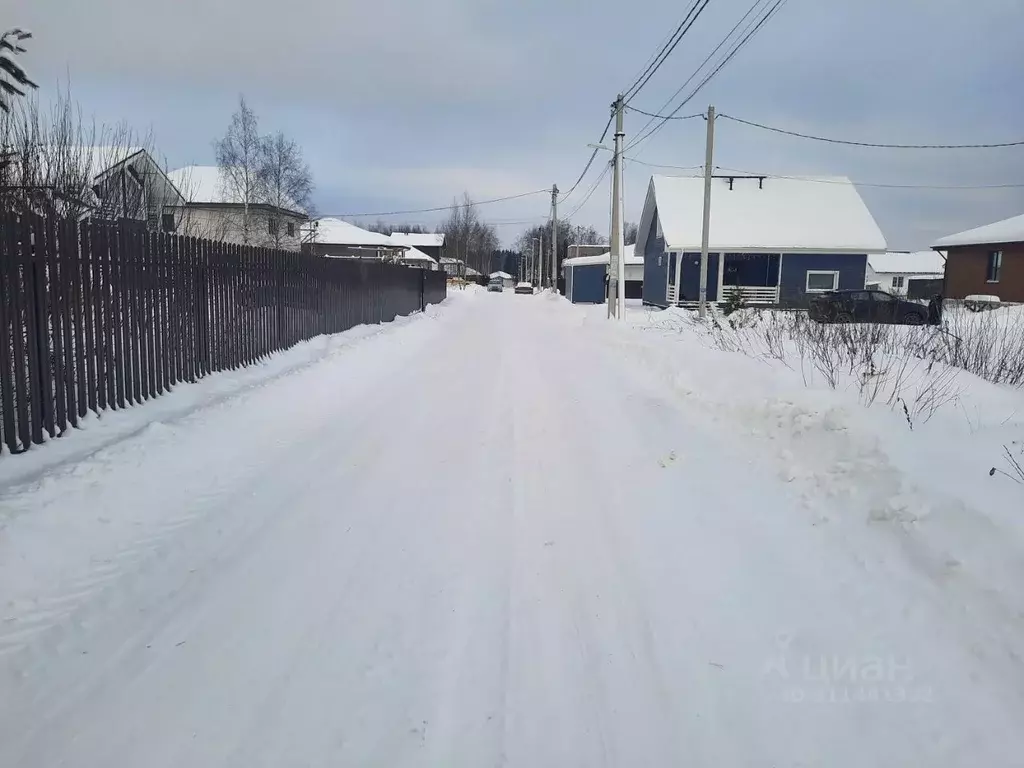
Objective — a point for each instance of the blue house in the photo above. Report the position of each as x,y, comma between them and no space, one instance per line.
775,241
585,276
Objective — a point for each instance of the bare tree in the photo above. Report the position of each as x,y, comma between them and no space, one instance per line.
287,182
239,157
10,46
467,237
629,232
58,164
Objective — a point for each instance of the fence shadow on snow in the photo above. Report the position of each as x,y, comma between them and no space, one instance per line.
100,315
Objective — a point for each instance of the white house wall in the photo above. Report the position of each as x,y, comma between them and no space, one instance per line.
228,224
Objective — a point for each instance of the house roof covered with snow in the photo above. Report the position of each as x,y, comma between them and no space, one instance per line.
415,254
824,214
502,275
429,239
1006,231
201,184
470,272
904,263
338,232
604,258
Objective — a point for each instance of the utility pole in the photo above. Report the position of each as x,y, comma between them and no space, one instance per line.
708,159
540,261
554,238
617,265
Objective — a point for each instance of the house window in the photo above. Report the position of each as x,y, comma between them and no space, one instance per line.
167,222
897,281
272,226
820,281
995,266
291,229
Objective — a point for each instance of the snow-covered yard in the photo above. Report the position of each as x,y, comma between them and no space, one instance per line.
509,532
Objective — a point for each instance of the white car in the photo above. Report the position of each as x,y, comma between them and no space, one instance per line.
524,287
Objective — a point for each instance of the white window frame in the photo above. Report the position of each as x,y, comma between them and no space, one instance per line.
807,280
994,264
898,281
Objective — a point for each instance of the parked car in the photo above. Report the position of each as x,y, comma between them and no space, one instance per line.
524,288
496,284
873,306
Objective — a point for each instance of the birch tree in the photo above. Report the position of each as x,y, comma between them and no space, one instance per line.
239,158
286,180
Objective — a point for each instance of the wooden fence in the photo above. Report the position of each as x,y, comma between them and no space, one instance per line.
97,316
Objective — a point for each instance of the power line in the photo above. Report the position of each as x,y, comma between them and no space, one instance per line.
872,144
721,64
872,184
684,26
662,165
688,80
433,210
590,192
592,156
665,117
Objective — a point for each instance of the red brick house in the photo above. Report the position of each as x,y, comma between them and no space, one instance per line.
986,260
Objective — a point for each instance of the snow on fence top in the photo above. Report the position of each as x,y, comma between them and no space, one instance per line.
1006,231
429,239
770,214
903,263
604,258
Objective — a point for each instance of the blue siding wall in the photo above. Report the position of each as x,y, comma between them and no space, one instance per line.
852,269
588,284
654,273
689,283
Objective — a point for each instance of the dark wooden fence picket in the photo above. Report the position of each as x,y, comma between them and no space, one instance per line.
102,315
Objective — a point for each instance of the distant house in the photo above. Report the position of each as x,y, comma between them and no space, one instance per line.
773,240
430,243
585,276
414,257
453,267
213,210
907,273
986,260
103,182
507,281
340,239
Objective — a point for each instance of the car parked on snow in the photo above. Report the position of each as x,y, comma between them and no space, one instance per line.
496,284
873,306
524,287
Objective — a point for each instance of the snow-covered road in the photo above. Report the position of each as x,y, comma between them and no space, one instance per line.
485,536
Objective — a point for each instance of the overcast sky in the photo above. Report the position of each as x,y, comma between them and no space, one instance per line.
403,104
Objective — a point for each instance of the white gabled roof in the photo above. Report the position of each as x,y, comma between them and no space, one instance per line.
429,239
205,184
337,232
502,275
779,214
913,263
604,258
415,254
470,272
1006,231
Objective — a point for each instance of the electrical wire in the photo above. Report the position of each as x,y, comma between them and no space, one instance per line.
707,58
432,210
663,165
684,26
871,144
718,68
665,117
590,192
592,156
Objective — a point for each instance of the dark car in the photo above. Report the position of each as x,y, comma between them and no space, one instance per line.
524,287
872,306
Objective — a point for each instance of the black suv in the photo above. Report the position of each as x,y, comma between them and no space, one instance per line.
871,306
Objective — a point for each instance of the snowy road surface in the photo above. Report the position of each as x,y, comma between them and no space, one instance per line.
486,536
